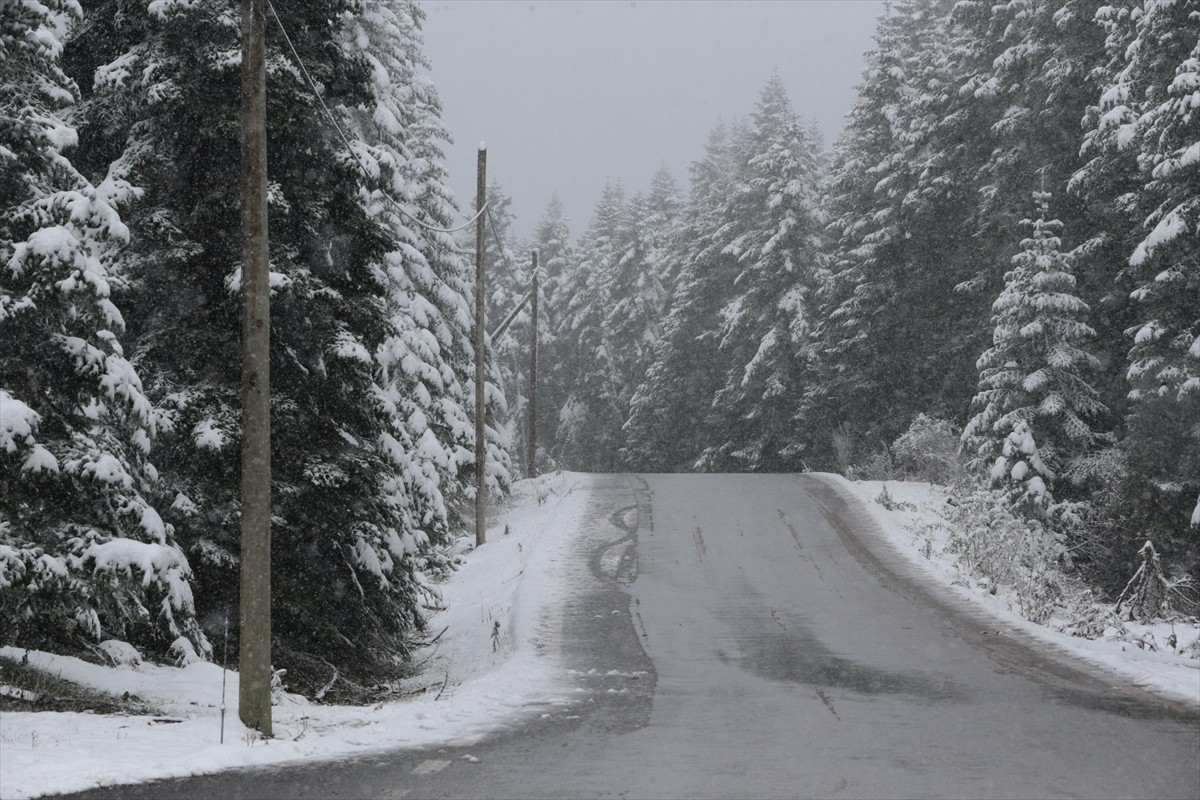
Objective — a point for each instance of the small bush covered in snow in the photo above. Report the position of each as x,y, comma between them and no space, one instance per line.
928,451
1013,552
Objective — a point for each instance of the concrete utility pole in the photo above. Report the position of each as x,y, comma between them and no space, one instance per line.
254,698
531,467
480,290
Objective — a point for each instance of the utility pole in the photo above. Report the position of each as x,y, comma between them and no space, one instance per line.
531,468
254,694
480,290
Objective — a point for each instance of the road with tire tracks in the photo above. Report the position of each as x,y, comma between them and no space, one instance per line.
753,636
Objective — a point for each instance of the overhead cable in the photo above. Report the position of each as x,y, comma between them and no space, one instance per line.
345,140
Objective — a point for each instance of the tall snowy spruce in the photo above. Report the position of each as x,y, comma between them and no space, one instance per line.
509,281
590,419
84,553
854,367
551,239
668,424
771,228
939,319
661,216
635,293
1149,117
370,309
1036,408
1027,73
893,338
608,306
426,361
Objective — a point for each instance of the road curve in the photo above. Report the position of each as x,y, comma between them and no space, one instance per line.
751,636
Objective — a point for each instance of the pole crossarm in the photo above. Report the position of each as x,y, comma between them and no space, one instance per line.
512,315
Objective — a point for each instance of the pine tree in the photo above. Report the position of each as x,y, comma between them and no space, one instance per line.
1035,406
370,317
1148,114
667,428
892,334
866,242
1029,71
660,219
771,228
636,297
425,363
1105,179
941,310
84,552
591,416
509,282
551,239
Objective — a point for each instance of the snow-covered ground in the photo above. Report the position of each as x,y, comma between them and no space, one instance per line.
915,529
472,689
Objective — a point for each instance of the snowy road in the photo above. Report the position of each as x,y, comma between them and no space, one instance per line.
750,636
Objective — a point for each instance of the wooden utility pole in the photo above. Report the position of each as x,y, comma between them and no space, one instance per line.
480,290
254,697
531,467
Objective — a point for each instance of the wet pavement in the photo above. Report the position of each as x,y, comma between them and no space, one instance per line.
751,636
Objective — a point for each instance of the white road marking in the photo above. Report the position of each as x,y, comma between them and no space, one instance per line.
429,767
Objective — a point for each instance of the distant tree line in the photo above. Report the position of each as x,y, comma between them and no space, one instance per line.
1002,247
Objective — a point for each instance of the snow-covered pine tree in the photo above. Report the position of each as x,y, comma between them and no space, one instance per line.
509,281
771,228
591,416
1027,71
84,553
425,362
1149,112
455,273
669,414
894,337
942,325
863,267
551,239
354,285
1105,181
660,219
636,297
1036,407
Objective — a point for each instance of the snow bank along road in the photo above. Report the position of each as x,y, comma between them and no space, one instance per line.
750,636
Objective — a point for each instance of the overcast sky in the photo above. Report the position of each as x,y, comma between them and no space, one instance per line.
569,93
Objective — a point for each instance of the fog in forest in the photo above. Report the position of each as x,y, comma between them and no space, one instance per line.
569,94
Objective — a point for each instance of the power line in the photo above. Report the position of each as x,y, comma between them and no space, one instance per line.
346,141
499,246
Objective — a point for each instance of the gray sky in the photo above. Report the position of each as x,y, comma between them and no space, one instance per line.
567,94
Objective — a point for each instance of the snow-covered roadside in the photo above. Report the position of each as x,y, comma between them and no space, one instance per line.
516,579
915,529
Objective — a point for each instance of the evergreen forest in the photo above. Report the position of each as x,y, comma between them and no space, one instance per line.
991,280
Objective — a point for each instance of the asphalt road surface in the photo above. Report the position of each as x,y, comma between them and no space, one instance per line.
750,636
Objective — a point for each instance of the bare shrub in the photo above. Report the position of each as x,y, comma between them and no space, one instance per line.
843,448
879,467
929,451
